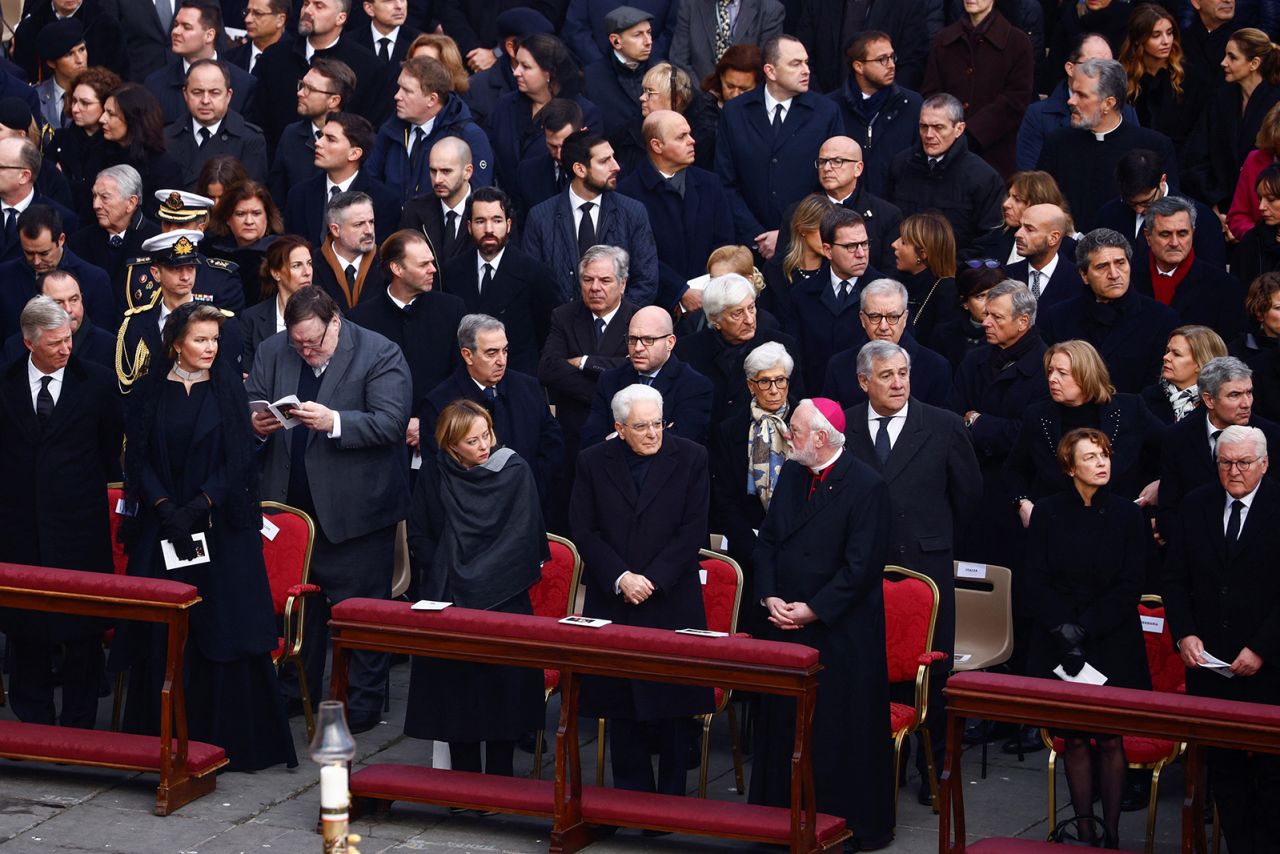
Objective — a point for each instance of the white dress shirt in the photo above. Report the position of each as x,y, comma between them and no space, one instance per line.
1247,501
34,375
896,422
575,205
771,103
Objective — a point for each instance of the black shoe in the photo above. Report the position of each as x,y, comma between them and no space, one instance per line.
859,844
363,723
979,732
1137,794
924,795
1026,741
293,707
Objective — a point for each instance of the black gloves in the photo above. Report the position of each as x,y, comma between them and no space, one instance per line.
1070,638
176,524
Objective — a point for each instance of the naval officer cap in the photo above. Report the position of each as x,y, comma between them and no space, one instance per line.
179,206
174,248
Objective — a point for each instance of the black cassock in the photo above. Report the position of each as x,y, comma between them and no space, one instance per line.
829,551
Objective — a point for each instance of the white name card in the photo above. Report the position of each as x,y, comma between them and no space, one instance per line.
971,570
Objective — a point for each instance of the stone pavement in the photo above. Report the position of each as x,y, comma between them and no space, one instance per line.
45,808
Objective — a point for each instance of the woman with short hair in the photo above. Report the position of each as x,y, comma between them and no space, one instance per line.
1176,394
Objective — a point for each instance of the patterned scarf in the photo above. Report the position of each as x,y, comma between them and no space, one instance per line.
1183,402
766,451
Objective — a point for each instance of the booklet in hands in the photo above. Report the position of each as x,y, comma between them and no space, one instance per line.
282,409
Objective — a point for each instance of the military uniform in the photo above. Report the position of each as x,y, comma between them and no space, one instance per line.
219,283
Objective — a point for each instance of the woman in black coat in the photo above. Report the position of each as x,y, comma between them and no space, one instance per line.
1258,252
926,256
133,133
1177,393
1081,395
477,539
955,338
244,223
190,467
1263,306
1162,95
1085,560
77,144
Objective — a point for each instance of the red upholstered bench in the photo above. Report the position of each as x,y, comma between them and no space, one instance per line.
392,782
185,767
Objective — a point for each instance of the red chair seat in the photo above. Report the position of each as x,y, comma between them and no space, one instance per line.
458,788
95,747
1003,845
550,680
900,717
1137,749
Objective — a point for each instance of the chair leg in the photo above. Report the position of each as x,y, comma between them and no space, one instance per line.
706,753
538,741
1151,806
304,691
736,746
897,768
1053,788
600,753
117,703
932,772
1217,829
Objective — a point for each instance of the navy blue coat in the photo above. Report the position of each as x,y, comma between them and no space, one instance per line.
1129,333
487,87
686,401
89,344
583,29
821,326
894,128
294,160
389,162
20,285
656,532
521,419
1043,118
763,173
305,204
550,236
1064,284
426,335
1207,295
930,374
709,354
686,229
516,137
167,85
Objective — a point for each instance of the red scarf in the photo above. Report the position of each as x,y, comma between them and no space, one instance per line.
1164,287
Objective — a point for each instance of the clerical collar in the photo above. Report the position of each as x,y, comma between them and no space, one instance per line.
829,463
1101,136
311,49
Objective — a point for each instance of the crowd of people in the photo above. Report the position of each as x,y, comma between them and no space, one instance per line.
848,282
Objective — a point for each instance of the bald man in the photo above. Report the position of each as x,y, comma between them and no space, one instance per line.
440,214
686,394
1048,267
840,166
688,209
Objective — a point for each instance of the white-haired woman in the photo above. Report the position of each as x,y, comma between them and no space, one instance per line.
733,330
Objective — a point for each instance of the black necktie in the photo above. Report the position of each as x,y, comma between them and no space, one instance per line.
586,229
204,136
351,278
1233,523
490,396
599,329
44,406
1213,445
934,165
647,380
115,241
10,227
417,156
777,119
487,279
319,133
384,49
333,191
450,231
843,295
882,439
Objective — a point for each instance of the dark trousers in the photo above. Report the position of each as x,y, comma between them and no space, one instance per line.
630,754
499,757
31,681
358,568
1247,791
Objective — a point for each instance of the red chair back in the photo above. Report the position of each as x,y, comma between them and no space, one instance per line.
553,596
1168,673
910,611
119,559
721,591
288,554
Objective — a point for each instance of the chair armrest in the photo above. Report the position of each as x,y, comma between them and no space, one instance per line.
304,589
931,657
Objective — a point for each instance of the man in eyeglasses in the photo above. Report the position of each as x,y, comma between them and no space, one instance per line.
825,306
884,316
1222,597
686,394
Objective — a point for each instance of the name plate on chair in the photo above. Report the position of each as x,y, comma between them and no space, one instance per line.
971,570
269,528
960,657
1155,625
429,605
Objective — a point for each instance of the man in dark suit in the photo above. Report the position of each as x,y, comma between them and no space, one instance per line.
521,417
421,320
495,278
686,394
827,27
1141,178
1099,137
1189,447
18,192
209,127
1222,597
340,154
385,34
884,316
614,81
768,140
60,427
701,35
102,35
587,338
146,36
120,228
687,206
591,212
44,250
326,88
1047,269
344,464
540,175
819,564
825,306
89,343
1198,289
440,213
264,27
1129,330
346,264
639,517
927,460
197,25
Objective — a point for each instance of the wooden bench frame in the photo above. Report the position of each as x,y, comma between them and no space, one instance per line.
178,784
588,652
1199,721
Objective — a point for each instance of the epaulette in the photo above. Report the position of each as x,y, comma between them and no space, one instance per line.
141,259
222,264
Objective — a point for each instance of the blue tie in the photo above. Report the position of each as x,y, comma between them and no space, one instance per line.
882,439
599,329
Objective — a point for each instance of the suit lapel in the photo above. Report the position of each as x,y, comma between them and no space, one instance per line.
620,474
860,433
912,438
796,115
564,214
18,392
664,465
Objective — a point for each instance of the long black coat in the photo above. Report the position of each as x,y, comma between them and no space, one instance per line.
573,334
54,512
1130,333
821,324
1266,384
883,134
964,189
1086,565
707,353
1222,138
686,400
235,137
934,484
1207,295
1257,252
656,533
1229,598
930,374
829,552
